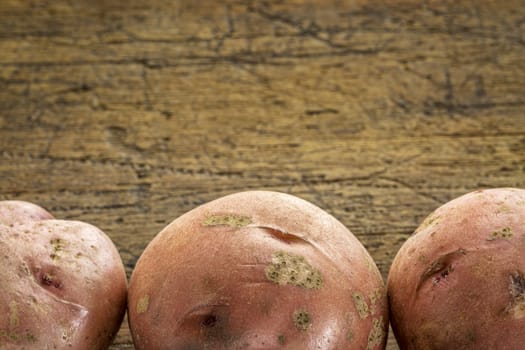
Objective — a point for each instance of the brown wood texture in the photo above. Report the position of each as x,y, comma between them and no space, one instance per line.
126,114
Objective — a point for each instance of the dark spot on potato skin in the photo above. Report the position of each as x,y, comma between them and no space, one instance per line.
47,276
441,267
302,319
215,329
517,285
30,338
471,336
209,321
50,281
504,233
516,288
57,244
206,327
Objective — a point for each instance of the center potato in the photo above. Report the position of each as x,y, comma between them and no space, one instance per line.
257,270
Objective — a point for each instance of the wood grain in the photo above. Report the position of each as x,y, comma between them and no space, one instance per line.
128,114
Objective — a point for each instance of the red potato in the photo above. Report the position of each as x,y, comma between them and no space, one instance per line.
459,281
63,282
257,270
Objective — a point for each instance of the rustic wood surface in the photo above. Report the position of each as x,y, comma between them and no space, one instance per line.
126,114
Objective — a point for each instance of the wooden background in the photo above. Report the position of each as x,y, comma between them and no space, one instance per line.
126,114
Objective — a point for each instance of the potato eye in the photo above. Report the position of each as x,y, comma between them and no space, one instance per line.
209,321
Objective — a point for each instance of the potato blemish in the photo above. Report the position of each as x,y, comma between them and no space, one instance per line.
516,288
360,304
377,334
281,339
227,220
302,320
375,297
57,245
287,268
143,304
504,233
471,336
209,321
13,315
24,269
49,279
441,268
30,338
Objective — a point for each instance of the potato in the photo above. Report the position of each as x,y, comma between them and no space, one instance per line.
459,281
257,270
63,282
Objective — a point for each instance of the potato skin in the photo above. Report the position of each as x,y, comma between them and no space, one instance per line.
63,282
257,270
19,212
459,281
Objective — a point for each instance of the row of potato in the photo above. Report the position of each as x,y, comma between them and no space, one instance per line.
266,270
